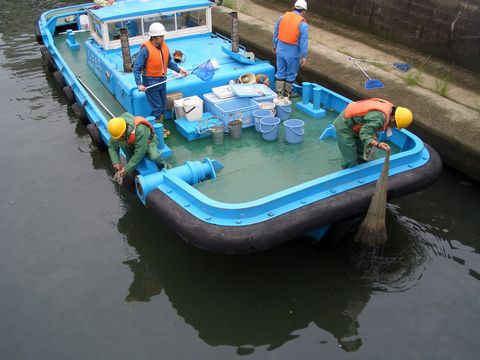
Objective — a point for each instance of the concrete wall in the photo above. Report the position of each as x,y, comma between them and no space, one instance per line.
447,29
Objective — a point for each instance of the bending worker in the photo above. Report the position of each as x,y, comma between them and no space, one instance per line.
136,138
151,66
290,45
357,124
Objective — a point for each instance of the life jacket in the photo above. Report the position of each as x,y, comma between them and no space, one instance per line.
289,27
363,107
157,61
137,120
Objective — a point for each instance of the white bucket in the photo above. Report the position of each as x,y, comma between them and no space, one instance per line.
190,107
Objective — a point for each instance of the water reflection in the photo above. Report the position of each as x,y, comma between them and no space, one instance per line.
252,300
267,298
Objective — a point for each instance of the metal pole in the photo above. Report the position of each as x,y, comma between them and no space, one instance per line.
235,36
95,97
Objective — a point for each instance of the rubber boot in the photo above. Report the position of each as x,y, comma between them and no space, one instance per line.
160,118
279,87
288,90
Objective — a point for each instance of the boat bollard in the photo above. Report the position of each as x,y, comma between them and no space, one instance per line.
192,172
317,91
71,40
158,127
306,92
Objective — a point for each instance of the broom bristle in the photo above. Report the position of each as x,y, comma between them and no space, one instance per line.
372,231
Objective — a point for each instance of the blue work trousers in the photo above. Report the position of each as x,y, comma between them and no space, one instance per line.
287,67
156,96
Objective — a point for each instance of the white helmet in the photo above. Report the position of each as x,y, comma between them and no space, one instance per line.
300,4
157,29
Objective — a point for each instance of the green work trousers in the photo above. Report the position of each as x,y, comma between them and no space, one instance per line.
349,143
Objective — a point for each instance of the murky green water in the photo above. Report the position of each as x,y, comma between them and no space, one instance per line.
87,273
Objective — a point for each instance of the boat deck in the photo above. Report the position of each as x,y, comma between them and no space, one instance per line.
77,61
253,168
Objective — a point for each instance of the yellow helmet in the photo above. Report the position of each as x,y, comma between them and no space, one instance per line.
403,117
116,127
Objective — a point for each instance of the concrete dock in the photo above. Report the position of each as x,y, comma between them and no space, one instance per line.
450,122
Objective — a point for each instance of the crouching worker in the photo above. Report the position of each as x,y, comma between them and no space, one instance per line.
136,138
357,125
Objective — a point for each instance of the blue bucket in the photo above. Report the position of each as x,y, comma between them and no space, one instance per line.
269,127
283,111
294,131
260,114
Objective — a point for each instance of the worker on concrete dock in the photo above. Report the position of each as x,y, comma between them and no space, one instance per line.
290,45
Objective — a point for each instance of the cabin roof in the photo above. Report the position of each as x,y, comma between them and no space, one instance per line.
133,8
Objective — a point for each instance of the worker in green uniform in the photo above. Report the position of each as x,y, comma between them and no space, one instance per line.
136,138
357,125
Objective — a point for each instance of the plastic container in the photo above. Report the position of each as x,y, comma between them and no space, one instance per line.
269,127
283,110
223,92
260,114
259,92
193,108
210,100
266,106
226,110
294,131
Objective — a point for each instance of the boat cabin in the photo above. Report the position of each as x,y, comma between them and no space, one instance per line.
180,17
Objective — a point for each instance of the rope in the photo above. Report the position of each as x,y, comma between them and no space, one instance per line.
117,178
204,125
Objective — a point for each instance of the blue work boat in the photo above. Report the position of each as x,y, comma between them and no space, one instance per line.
230,189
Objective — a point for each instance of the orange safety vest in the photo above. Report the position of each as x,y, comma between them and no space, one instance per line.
289,28
156,65
363,107
137,120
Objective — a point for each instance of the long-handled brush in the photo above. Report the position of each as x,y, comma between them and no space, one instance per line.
372,231
370,84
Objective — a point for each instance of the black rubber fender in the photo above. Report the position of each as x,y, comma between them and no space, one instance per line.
69,95
349,204
341,232
37,33
59,78
47,59
129,182
80,113
97,140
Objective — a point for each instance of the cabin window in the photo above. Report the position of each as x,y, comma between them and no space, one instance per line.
97,27
133,27
166,20
189,19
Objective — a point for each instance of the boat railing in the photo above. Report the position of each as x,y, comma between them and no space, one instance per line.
83,98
